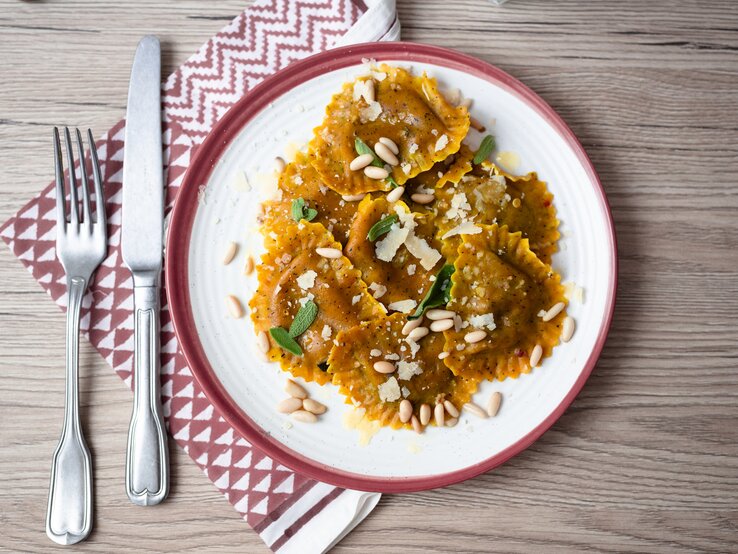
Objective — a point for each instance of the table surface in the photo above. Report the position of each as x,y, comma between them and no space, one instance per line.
646,459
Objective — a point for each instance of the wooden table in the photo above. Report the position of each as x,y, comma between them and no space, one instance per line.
646,459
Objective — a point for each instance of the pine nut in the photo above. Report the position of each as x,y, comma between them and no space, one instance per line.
394,195
439,413
406,410
295,390
422,198
412,324
567,329
417,426
262,341
230,253
443,355
425,414
370,95
474,336
354,197
249,267
418,333
289,405
553,311
535,356
389,143
441,325
472,408
313,406
439,314
386,154
234,307
450,408
304,416
476,124
493,404
279,164
332,253
452,421
383,366
374,172
360,162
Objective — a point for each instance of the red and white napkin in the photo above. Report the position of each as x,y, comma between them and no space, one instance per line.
290,512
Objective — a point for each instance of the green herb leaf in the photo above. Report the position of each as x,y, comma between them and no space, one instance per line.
382,227
363,148
484,150
439,294
304,319
283,339
301,211
392,182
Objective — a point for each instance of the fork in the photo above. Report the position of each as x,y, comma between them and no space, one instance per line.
81,244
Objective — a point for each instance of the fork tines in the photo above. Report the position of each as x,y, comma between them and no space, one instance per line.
74,215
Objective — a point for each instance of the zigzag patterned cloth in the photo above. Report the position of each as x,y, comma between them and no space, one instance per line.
290,512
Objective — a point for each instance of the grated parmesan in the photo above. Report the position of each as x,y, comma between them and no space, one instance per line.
483,321
406,370
326,333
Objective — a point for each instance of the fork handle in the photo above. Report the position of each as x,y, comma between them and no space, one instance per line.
69,511
147,464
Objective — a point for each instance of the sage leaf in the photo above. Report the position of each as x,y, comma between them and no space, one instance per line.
484,150
303,319
382,227
283,339
439,293
301,211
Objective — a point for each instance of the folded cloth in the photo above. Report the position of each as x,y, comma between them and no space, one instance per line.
290,512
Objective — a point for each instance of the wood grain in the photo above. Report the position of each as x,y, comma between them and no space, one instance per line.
646,459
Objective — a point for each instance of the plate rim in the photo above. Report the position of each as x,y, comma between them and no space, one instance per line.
203,162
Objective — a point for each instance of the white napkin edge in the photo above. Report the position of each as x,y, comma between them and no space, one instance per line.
319,534
379,22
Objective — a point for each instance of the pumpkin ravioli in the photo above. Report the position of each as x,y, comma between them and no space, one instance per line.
406,109
420,376
501,287
291,273
398,276
487,195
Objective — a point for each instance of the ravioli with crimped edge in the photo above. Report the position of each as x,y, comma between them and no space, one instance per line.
420,376
501,290
487,195
292,273
408,110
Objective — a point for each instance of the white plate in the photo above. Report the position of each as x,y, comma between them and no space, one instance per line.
222,352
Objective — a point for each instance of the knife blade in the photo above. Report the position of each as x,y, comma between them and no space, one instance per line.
147,457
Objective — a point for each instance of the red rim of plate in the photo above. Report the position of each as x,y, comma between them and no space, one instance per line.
180,229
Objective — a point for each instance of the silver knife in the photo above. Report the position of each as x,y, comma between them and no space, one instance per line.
147,457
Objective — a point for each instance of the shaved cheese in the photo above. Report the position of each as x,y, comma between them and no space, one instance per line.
356,299
412,148
411,269
465,228
326,332
307,298
441,143
392,357
363,90
406,370
371,112
404,306
386,248
405,392
307,279
419,248
378,290
459,206
483,321
389,391
414,346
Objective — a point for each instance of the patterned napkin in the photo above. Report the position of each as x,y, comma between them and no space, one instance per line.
290,512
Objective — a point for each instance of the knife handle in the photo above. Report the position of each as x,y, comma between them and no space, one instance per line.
147,463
